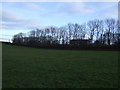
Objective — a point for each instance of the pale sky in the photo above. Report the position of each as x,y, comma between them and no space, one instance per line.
24,16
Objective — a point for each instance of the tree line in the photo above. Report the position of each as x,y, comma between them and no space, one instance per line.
101,32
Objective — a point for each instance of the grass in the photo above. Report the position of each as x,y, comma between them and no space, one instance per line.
25,67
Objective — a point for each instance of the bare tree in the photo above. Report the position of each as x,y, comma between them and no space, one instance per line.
62,35
38,33
105,32
97,25
117,32
82,31
18,38
101,30
91,26
70,30
75,32
110,25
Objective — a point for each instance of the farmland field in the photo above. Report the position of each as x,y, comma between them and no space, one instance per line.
25,67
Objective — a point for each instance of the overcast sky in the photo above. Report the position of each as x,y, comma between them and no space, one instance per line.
23,16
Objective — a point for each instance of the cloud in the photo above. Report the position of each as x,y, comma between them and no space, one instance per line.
7,16
59,0
81,8
33,6
58,12
112,12
63,9
12,20
109,10
11,25
36,26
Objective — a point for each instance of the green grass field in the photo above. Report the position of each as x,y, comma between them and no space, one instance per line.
25,67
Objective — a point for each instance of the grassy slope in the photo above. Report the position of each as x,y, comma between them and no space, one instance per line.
31,67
